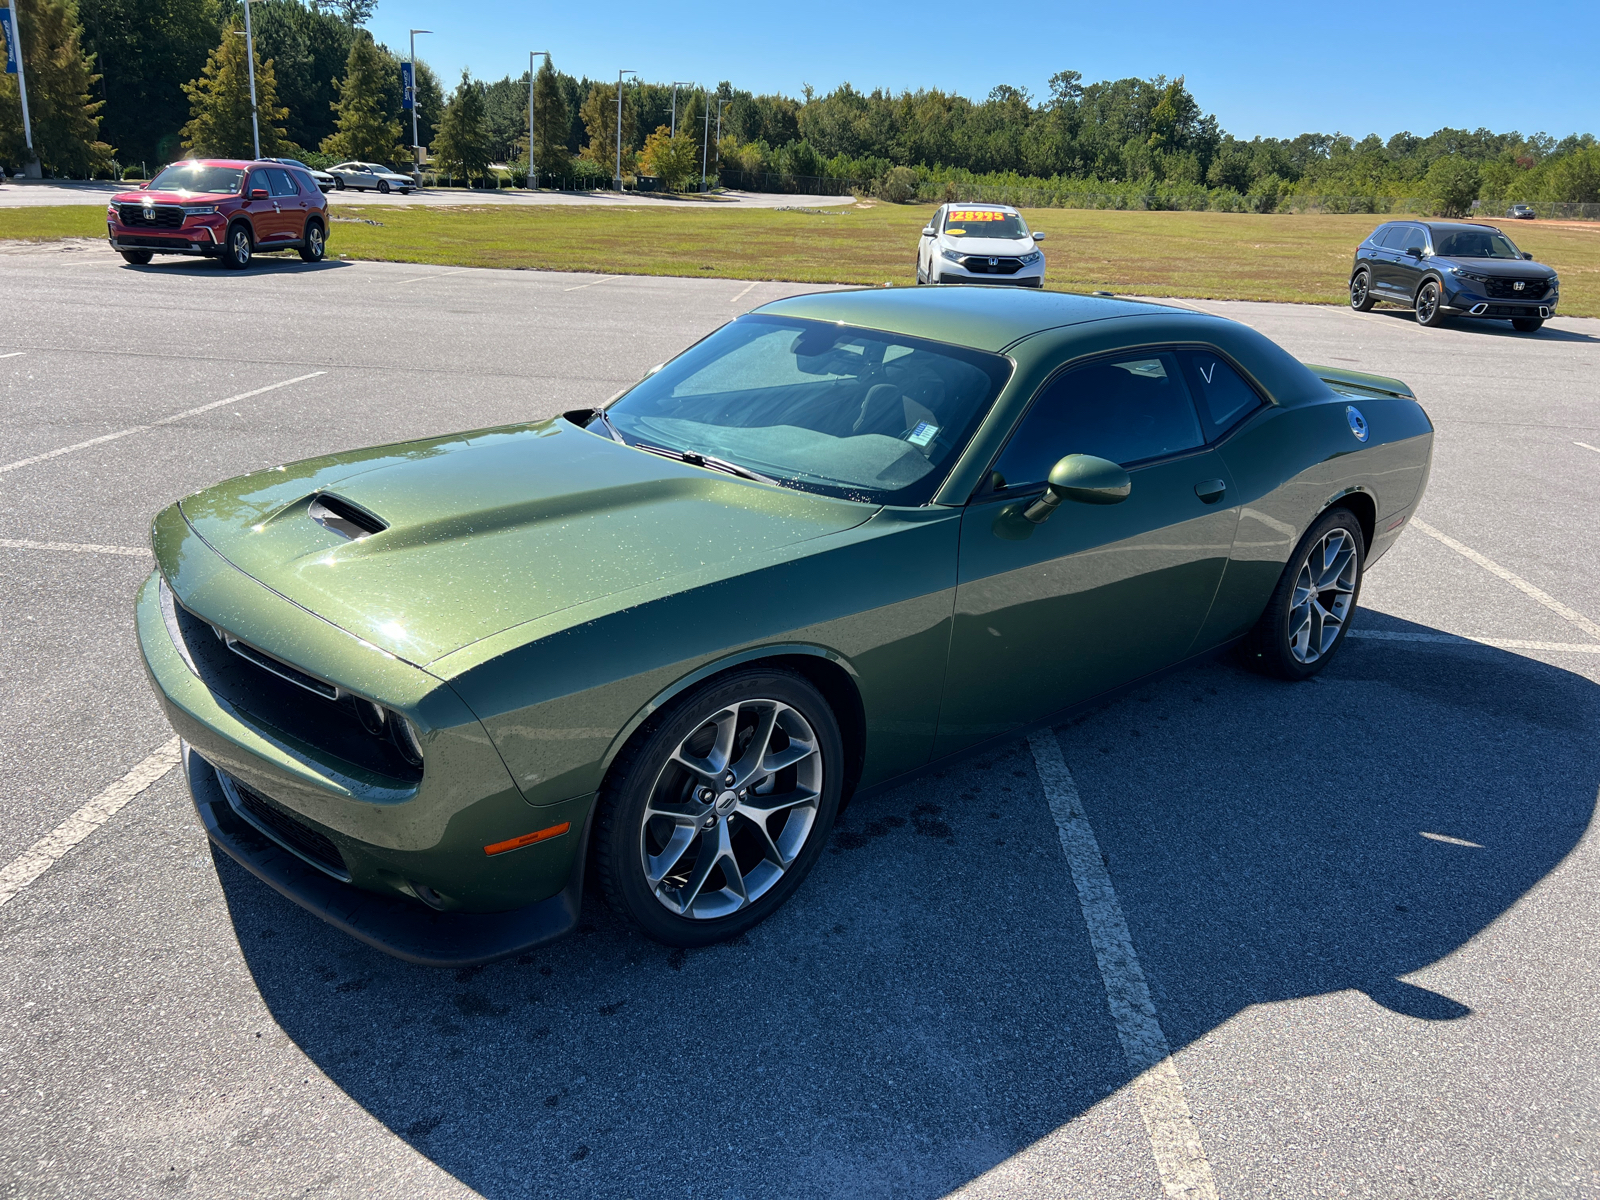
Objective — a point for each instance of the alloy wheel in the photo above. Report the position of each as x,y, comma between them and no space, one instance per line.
1324,590
239,246
314,241
731,809
1358,290
1427,303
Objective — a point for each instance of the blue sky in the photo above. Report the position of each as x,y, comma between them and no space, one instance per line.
1269,69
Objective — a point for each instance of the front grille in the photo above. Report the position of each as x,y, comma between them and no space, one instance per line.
1510,310
980,265
289,831
1506,289
159,216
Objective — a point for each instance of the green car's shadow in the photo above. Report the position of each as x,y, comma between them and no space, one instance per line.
928,1006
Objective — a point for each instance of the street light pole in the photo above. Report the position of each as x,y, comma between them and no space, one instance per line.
705,146
675,85
250,54
31,167
533,172
416,145
721,104
620,74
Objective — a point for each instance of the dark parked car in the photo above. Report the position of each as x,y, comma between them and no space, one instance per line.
1443,269
220,208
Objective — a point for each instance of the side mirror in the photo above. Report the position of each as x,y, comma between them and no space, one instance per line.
927,231
1414,251
1084,478
1528,254
258,193
1038,237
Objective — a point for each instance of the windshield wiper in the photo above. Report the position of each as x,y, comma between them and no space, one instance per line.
705,460
616,434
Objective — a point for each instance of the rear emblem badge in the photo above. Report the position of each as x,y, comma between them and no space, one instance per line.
1358,423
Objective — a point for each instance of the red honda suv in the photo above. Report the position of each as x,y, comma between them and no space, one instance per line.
221,208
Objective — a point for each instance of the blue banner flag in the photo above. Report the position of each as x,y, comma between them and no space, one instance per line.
7,32
408,87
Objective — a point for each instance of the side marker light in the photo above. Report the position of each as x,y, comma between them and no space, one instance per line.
528,839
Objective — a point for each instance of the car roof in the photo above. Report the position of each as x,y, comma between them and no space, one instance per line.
1456,225
980,317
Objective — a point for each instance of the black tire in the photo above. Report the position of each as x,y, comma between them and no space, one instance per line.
138,258
921,278
241,245
1527,324
383,187
1429,305
645,771
338,183
1273,647
314,244
1361,292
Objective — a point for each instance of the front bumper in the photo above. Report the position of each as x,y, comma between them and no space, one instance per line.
196,236
1465,302
1031,275
395,925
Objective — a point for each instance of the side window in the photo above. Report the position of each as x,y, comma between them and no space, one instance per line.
1128,409
1225,398
281,183
258,179
1414,235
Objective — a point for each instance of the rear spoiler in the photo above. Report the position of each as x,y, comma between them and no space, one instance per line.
1359,382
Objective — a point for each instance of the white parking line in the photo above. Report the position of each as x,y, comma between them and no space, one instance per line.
122,433
1585,445
1174,1139
1451,639
595,283
438,275
1516,581
744,293
20,353
73,547
48,850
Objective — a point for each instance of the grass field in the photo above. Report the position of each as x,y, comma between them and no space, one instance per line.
1225,256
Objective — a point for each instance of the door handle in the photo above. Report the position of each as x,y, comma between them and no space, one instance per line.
1210,491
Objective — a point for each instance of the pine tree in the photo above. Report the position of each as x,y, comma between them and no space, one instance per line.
551,122
366,129
219,104
462,145
66,122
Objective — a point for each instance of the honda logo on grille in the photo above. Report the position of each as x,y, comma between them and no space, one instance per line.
994,262
1519,285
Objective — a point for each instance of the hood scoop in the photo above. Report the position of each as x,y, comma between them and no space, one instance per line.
346,519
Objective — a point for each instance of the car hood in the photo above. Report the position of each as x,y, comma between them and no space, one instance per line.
491,529
1497,268
1011,247
173,197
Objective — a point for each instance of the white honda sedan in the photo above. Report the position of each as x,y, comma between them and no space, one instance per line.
979,243
364,176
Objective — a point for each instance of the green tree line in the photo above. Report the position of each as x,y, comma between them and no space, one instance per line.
151,80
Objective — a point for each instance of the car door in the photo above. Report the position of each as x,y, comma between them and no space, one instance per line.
1095,596
1409,268
264,212
289,205
1384,257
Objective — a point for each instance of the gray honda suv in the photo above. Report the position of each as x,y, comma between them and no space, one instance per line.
1442,269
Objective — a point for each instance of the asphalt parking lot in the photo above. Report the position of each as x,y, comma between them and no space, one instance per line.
1363,911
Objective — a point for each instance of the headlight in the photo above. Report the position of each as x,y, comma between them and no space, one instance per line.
1555,281
1031,257
954,256
111,211
1459,273
199,210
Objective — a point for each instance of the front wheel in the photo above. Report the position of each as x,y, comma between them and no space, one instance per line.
314,245
383,187
714,815
1361,292
1527,324
1430,312
139,258
239,249
1305,621
338,182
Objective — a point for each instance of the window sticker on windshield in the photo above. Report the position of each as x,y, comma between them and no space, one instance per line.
975,214
922,434
1148,368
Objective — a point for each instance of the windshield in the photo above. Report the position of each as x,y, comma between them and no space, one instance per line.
984,223
196,177
854,413
1473,243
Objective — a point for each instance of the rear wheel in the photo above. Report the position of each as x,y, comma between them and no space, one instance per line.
1361,292
236,257
1310,610
1430,311
1526,324
314,245
139,258
716,812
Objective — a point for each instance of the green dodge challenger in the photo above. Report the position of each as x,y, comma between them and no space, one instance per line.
425,688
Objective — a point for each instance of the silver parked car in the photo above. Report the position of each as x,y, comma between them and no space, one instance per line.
322,179
365,176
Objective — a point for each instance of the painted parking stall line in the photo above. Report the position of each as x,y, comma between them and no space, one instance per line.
73,547
1464,642
53,846
1158,1089
20,353
180,416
